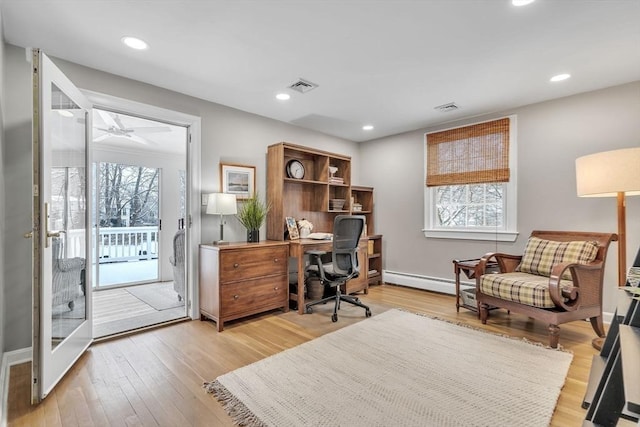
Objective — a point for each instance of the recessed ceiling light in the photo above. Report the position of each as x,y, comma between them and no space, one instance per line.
283,96
367,127
559,77
135,43
521,2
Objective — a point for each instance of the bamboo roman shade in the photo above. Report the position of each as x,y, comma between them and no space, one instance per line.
469,155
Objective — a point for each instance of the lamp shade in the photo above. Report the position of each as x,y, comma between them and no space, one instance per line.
222,204
608,173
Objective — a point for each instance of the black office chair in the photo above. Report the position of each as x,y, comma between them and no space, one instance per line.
344,265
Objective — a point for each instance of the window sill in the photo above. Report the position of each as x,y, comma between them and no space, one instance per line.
500,236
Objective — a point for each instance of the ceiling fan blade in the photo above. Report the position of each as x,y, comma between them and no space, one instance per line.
119,123
106,117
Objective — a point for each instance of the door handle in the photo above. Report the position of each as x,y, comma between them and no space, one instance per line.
28,234
46,227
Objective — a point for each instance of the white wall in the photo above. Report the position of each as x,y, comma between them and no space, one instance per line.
17,206
227,135
2,192
551,135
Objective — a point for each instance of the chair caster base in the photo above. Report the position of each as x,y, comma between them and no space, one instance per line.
367,313
334,317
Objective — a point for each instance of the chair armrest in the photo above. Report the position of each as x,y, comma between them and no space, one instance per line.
506,262
585,277
316,261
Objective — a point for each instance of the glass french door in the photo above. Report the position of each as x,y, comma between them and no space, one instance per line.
61,275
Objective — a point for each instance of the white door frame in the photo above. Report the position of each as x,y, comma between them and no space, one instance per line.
192,225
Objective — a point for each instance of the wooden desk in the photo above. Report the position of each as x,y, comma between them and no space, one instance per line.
297,249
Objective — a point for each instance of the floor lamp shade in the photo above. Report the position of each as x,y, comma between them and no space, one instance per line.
221,204
611,174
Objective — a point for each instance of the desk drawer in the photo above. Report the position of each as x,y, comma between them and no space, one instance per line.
266,292
246,264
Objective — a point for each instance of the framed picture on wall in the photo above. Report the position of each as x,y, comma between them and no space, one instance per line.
238,179
292,228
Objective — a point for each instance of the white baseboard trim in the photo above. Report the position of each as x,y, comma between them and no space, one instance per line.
9,359
437,284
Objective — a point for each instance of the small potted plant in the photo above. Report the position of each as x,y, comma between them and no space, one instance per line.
252,214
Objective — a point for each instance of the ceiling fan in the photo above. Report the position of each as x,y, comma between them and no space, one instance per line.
115,128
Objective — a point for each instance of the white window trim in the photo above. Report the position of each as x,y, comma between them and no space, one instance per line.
510,232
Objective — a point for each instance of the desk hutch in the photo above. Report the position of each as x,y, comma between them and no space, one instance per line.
308,196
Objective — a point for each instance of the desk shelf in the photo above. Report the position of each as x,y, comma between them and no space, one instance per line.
374,250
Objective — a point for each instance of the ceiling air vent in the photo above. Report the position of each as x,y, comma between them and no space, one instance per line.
451,106
303,86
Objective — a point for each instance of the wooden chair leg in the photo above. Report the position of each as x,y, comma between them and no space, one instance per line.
554,336
484,313
598,328
597,325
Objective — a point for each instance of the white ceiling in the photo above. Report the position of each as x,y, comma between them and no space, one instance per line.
387,62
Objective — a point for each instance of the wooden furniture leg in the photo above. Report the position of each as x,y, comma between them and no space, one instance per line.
554,336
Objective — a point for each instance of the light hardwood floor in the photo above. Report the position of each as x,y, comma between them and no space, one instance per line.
155,377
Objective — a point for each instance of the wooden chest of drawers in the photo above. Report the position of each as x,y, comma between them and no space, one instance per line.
241,279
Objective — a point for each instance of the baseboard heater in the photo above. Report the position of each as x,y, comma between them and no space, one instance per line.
435,284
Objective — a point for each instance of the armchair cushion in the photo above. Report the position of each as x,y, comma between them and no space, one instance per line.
523,288
541,255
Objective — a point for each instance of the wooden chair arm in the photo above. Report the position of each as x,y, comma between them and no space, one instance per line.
582,276
506,262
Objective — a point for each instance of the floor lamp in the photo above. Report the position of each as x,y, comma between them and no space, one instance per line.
221,204
611,174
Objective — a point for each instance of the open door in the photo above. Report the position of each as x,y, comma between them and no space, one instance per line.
62,328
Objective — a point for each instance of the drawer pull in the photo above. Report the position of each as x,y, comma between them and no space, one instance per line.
236,265
276,288
275,260
236,296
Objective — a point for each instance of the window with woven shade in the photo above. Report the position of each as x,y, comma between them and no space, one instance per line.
470,181
469,155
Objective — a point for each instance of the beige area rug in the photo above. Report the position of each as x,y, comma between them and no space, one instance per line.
399,369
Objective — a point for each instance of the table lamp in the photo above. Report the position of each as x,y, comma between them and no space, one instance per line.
221,204
611,174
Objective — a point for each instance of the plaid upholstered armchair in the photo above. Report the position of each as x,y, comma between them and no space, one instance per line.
68,276
558,279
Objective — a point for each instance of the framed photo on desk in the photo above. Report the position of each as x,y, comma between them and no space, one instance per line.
292,228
